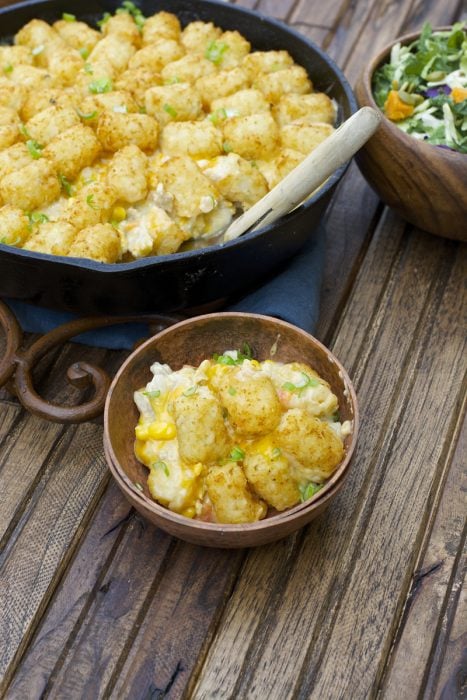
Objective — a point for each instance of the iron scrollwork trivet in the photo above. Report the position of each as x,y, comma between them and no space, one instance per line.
17,365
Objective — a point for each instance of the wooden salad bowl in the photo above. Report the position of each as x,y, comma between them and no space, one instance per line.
425,184
189,342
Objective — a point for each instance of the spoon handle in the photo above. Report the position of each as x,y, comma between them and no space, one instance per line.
336,150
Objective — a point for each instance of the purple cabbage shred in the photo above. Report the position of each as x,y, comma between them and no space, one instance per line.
437,90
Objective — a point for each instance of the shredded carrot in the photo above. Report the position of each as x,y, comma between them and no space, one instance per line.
395,109
459,94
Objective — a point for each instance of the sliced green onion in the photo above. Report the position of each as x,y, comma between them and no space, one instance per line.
163,466
90,202
276,452
218,116
98,87
226,147
152,394
172,81
37,50
191,390
37,217
84,51
34,148
104,19
90,115
24,131
215,51
88,69
66,184
130,8
309,381
170,110
232,391
138,486
8,68
237,454
309,490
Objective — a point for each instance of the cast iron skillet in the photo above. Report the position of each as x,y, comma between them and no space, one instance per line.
192,278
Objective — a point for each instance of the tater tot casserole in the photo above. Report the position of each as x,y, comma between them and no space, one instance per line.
126,140
234,439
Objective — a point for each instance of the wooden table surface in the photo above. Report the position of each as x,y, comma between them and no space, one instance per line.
96,603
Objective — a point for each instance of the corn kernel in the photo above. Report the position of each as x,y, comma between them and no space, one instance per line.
141,432
162,431
197,469
140,450
255,364
189,512
118,214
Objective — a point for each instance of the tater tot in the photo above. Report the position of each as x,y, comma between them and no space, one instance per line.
155,56
73,150
115,50
236,179
241,104
236,48
32,77
315,107
202,434
92,205
259,62
136,82
117,101
9,134
8,116
14,225
231,497
32,186
127,174
178,102
12,55
221,84
163,25
312,445
274,85
269,475
254,136
12,95
38,101
187,69
63,62
115,131
250,399
35,33
187,185
122,25
54,238
13,158
48,124
287,160
195,139
198,35
77,34
100,242
304,137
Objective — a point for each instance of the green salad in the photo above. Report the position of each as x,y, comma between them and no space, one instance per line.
423,88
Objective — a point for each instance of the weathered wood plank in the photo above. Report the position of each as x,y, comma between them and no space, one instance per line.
329,548
70,488
433,581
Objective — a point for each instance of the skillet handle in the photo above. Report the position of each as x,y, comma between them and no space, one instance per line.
17,366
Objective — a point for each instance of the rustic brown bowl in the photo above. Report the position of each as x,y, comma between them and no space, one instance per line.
425,184
189,342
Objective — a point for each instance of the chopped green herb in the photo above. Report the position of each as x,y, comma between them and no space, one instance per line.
276,452
34,148
232,391
8,68
104,19
309,381
37,50
241,356
309,490
215,51
163,466
24,131
218,116
37,217
130,8
170,110
90,202
98,87
191,390
88,69
138,486
172,81
68,18
84,51
90,115
226,147
237,454
152,394
66,184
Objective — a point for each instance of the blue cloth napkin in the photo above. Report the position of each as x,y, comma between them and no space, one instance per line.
292,295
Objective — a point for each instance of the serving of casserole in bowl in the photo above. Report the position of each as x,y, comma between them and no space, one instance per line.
131,131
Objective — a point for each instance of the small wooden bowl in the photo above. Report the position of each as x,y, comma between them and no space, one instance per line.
425,184
189,342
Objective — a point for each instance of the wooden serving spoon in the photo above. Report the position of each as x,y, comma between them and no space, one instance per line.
312,172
